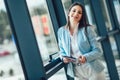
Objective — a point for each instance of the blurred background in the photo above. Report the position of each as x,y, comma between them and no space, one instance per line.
10,65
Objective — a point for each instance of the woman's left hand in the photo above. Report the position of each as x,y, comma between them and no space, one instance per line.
82,59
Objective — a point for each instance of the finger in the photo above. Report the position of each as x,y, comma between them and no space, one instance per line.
79,60
80,56
83,59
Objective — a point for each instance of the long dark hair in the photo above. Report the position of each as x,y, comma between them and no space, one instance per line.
83,22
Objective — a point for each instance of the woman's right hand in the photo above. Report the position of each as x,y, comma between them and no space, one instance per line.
66,60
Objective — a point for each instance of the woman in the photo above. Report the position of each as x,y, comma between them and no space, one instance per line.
79,48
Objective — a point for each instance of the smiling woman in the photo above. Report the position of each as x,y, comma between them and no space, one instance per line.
77,39
33,30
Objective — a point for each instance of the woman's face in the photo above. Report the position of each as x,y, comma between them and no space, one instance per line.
75,14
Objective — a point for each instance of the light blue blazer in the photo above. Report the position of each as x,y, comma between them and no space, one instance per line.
90,49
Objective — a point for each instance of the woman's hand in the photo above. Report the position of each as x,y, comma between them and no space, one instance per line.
66,60
82,59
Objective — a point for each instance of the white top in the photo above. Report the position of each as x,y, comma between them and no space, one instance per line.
75,52
84,71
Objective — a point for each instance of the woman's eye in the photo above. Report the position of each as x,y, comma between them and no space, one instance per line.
80,12
73,10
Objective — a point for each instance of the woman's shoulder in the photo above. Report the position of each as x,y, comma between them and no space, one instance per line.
90,28
61,29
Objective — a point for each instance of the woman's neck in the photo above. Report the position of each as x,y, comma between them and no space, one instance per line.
73,27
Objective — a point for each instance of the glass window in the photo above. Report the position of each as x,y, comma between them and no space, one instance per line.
109,27
91,20
114,47
43,28
115,53
117,9
89,13
10,66
106,15
66,5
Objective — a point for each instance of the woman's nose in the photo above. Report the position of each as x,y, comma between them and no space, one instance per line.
76,14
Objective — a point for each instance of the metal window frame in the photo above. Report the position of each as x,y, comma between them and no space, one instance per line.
58,19
25,38
114,22
52,16
103,32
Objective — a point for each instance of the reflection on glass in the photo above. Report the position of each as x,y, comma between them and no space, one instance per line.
117,9
43,28
106,15
10,67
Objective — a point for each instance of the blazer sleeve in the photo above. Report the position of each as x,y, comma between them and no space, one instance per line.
95,51
61,49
